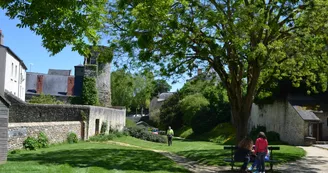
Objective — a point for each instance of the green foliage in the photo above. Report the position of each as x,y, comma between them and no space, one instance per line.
31,143
249,44
17,151
72,138
160,86
142,90
122,84
43,140
75,100
190,105
103,127
60,23
103,137
144,134
44,99
271,135
89,91
171,113
129,123
83,115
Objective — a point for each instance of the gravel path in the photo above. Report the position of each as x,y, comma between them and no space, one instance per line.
315,161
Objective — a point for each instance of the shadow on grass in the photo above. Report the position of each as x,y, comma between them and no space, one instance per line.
120,159
207,157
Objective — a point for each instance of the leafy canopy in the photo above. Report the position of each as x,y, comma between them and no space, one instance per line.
60,23
248,43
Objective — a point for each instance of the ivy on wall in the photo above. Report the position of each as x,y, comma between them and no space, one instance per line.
89,91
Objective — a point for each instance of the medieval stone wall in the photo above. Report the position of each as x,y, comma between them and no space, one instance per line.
56,132
103,84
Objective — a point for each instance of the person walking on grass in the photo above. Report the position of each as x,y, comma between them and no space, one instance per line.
261,150
170,134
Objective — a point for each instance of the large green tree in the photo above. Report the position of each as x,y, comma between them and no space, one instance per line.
247,42
60,23
122,83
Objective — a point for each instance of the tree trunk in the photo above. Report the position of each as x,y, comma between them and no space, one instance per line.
241,124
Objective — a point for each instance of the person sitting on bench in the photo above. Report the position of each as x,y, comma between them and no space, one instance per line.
243,152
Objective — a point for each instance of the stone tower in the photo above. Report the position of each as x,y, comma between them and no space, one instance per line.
102,74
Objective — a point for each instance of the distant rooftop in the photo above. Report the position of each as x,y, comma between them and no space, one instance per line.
59,72
164,96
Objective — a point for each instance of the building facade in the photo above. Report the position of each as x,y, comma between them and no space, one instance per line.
12,72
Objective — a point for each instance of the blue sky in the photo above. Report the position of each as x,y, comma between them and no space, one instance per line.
28,47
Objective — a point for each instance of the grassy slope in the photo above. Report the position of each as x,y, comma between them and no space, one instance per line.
208,152
89,158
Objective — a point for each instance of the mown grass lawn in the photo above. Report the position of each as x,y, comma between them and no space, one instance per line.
89,158
209,153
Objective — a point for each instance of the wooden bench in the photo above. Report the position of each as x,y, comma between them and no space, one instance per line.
233,148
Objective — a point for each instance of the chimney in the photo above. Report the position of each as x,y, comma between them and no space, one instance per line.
70,85
1,38
199,71
39,84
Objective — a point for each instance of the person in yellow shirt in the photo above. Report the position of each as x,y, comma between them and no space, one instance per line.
170,134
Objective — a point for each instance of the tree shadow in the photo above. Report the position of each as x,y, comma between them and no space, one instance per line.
207,157
120,159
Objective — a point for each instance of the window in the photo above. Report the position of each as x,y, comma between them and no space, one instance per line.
16,71
12,69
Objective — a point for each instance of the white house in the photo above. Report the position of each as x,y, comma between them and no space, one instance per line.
12,72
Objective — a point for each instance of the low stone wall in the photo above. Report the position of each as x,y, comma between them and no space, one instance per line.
55,131
115,118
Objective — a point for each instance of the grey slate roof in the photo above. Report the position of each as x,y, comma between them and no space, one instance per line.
59,72
12,53
52,84
306,115
164,96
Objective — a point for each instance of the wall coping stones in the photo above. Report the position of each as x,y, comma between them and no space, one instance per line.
32,124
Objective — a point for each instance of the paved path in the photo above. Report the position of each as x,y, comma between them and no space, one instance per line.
324,146
192,166
316,161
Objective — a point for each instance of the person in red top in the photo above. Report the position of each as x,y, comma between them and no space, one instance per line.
261,148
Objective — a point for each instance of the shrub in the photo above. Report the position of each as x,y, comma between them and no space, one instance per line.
30,143
43,140
72,138
144,134
44,99
102,137
103,128
190,105
89,91
273,136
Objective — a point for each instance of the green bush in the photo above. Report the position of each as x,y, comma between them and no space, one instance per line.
44,99
204,120
144,134
89,91
30,143
72,138
103,128
17,151
107,137
273,136
43,140
190,105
